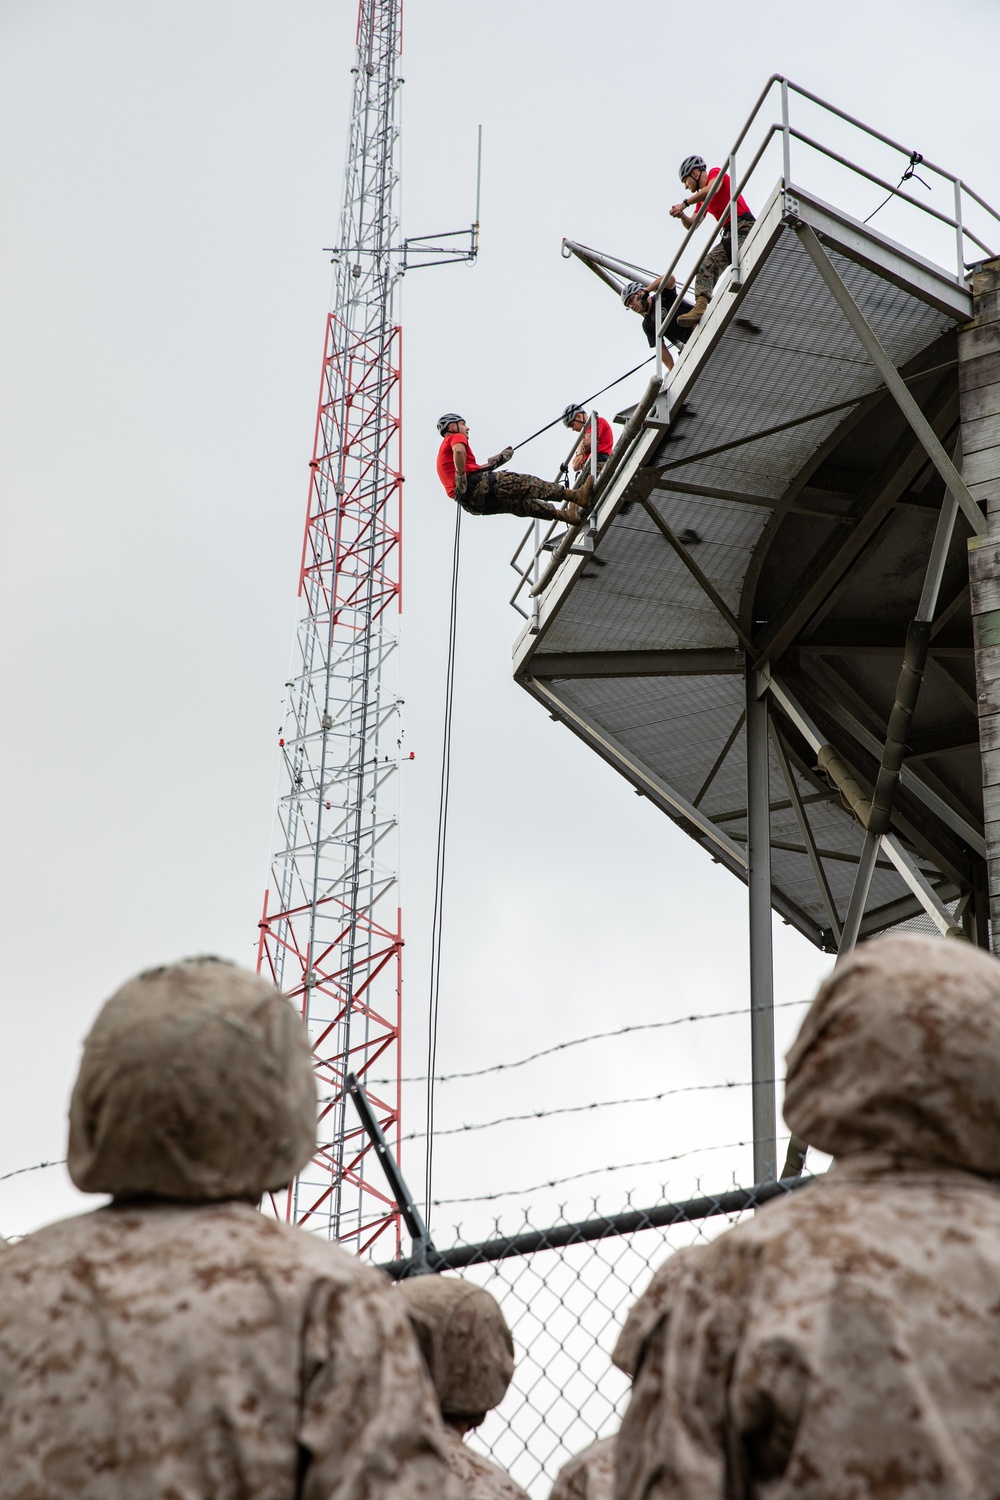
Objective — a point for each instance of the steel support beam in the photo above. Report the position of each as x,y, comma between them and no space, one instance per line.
921,887
907,689
894,382
859,895
701,578
805,830
677,807
874,504
911,781
702,662
765,1164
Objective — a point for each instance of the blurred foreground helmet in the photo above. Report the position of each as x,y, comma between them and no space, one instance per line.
465,1341
195,1085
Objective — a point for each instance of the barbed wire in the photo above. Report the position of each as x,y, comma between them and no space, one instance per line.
576,1109
19,1171
579,1041
624,1166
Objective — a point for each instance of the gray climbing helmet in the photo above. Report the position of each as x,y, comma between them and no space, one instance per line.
692,164
443,423
630,290
570,412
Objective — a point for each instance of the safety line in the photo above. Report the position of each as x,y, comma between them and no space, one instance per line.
437,918
915,160
584,403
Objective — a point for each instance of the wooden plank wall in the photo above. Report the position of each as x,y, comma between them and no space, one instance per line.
979,386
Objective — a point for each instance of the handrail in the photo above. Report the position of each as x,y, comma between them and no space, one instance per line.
624,443
610,267
934,213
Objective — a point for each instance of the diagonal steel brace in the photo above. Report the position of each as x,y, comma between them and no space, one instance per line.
892,378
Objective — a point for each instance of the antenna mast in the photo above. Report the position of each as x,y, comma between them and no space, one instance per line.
330,932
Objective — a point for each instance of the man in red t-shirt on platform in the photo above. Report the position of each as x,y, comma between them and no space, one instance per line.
481,491
575,418
698,181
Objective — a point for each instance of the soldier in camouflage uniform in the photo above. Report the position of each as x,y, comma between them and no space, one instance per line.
590,1474
176,1342
844,1344
482,491
469,1352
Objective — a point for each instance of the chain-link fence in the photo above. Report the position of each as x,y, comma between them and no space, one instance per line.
565,1291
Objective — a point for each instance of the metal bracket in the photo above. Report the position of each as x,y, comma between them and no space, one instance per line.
790,210
423,1245
760,680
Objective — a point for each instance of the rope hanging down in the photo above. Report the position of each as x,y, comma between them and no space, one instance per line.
437,918
915,160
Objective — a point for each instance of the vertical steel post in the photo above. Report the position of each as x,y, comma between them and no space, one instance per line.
786,140
734,248
657,332
761,966
536,542
859,894
959,232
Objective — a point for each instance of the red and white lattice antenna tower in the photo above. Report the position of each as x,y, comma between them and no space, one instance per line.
330,933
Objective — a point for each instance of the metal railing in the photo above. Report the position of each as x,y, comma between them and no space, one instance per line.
542,535
533,569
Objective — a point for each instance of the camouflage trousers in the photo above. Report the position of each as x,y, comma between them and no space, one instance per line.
493,492
720,256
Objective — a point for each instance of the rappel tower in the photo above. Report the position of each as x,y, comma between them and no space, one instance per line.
330,932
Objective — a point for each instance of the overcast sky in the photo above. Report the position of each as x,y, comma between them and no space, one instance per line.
170,174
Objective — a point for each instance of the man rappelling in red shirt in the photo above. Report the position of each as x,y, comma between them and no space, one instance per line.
483,491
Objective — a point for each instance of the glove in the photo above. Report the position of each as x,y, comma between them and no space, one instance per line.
503,457
460,486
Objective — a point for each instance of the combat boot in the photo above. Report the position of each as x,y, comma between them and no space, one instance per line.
689,319
583,494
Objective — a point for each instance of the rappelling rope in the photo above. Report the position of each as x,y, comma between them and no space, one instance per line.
915,160
583,404
437,918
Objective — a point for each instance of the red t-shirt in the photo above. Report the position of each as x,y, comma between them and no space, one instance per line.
718,203
446,461
605,437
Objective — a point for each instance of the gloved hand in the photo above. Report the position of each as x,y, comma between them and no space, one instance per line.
460,486
504,457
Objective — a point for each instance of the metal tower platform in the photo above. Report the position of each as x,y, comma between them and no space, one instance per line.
777,647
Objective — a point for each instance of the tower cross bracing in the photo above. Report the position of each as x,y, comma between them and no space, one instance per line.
330,932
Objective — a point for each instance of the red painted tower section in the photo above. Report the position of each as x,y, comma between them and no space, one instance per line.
330,932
